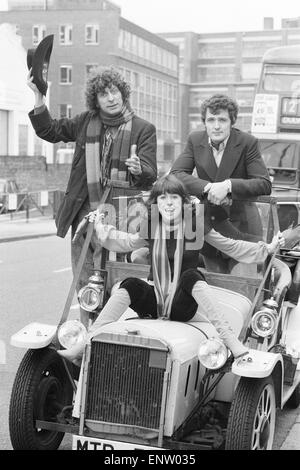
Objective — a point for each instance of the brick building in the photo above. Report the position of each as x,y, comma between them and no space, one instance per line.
170,73
90,33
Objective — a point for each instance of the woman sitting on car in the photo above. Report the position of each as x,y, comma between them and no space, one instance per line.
175,288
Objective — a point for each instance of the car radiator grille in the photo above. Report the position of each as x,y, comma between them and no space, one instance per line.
125,384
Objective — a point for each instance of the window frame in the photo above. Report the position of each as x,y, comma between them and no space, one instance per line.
95,30
68,114
41,33
69,74
68,34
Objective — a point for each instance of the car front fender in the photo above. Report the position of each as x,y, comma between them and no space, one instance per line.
256,364
34,336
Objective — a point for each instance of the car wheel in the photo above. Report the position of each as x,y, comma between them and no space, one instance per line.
251,422
41,389
294,400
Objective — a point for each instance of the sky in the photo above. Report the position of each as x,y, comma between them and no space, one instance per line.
207,16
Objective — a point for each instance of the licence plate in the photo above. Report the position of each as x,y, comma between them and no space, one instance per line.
91,443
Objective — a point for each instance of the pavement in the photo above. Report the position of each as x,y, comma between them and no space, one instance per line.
292,441
14,229
20,228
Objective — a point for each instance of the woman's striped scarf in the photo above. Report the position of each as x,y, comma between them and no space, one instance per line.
108,162
164,286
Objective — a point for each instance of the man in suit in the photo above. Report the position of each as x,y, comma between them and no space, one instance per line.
229,168
112,143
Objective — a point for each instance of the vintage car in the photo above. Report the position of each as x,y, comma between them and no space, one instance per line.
159,384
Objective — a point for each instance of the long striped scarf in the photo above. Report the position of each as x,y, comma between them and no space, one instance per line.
108,162
164,286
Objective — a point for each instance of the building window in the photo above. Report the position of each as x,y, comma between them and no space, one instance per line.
65,74
38,146
259,47
23,139
141,47
159,56
121,39
65,110
38,33
135,80
216,73
221,49
147,50
92,34
251,71
89,68
134,44
245,96
65,34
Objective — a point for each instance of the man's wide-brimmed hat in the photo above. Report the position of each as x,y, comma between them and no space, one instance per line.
38,59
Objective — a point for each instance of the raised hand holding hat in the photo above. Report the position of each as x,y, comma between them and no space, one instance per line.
38,61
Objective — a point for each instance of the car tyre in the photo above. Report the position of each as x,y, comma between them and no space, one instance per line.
41,389
252,416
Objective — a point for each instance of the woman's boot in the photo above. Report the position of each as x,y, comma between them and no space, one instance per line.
203,295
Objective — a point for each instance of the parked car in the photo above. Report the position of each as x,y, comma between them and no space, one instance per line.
157,384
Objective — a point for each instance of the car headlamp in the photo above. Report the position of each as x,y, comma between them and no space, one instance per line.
264,322
91,296
213,353
71,333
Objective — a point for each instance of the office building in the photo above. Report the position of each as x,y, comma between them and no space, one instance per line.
93,33
227,63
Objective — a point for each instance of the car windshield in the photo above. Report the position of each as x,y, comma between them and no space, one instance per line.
281,158
253,221
282,78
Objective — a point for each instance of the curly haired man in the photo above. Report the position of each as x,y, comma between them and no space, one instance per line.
112,143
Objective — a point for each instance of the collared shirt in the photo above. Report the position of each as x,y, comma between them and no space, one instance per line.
218,153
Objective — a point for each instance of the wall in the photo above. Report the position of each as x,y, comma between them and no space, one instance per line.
33,173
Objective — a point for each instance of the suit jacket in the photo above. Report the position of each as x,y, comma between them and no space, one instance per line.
143,134
241,163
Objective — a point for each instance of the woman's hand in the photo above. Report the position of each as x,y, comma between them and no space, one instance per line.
96,217
278,241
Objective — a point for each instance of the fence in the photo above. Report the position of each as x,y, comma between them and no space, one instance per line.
45,202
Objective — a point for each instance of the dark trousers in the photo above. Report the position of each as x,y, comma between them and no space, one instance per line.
143,299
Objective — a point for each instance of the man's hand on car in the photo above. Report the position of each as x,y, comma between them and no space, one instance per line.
217,192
